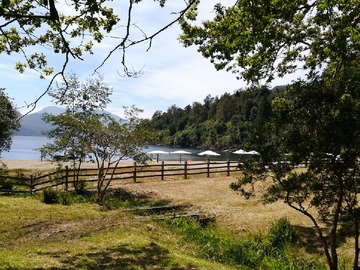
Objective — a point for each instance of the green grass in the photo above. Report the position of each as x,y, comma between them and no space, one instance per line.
277,249
34,235
85,235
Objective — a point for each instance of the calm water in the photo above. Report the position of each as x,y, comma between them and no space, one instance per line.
24,148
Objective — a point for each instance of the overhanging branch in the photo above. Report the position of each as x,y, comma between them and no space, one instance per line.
122,45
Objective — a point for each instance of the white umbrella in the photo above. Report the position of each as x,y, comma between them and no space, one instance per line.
245,153
208,153
157,153
241,152
180,153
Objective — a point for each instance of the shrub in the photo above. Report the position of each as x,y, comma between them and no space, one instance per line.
80,187
282,233
3,169
51,196
7,185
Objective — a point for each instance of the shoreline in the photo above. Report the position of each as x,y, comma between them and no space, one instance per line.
46,164
49,165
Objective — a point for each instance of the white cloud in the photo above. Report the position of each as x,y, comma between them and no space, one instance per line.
172,74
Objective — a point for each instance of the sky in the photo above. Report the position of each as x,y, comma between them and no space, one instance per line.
171,74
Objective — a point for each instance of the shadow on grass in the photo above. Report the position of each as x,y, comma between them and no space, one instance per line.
120,197
309,239
151,256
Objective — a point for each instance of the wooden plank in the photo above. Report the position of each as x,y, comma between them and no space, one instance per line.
156,208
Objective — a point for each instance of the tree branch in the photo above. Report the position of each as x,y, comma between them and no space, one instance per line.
123,45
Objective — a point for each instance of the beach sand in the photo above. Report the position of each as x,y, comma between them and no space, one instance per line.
48,165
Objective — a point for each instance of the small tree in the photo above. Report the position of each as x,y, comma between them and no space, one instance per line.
85,131
316,121
8,121
82,100
109,142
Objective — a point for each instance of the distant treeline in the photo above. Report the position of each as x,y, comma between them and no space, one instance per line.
227,122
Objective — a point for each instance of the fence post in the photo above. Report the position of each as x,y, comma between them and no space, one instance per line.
228,167
208,168
31,185
134,176
185,170
162,170
66,178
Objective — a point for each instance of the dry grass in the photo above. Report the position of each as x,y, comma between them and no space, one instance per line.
234,213
214,197
211,195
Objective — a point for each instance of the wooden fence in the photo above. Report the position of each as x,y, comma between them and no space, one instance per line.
159,171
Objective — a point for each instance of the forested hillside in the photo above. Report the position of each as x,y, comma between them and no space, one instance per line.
230,121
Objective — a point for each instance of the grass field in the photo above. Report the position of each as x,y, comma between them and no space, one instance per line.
34,235
81,236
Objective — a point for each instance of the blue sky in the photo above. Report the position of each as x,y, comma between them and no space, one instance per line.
172,74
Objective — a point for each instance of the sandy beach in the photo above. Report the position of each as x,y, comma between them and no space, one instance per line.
45,165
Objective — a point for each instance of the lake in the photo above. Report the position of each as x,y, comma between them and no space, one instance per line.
24,148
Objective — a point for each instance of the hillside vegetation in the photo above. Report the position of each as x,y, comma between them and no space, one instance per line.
222,122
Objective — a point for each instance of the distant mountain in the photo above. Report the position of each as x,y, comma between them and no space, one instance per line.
33,125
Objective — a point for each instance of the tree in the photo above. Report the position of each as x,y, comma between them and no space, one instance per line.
8,121
318,121
220,122
88,96
85,132
70,28
264,39
83,100
109,142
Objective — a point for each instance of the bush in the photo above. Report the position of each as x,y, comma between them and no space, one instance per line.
3,169
282,233
7,185
80,187
51,196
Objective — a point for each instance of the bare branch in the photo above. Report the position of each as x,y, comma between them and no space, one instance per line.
123,45
60,73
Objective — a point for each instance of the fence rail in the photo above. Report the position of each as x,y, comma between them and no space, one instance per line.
159,171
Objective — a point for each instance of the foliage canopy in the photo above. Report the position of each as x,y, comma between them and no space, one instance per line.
230,121
84,132
264,39
8,121
318,122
